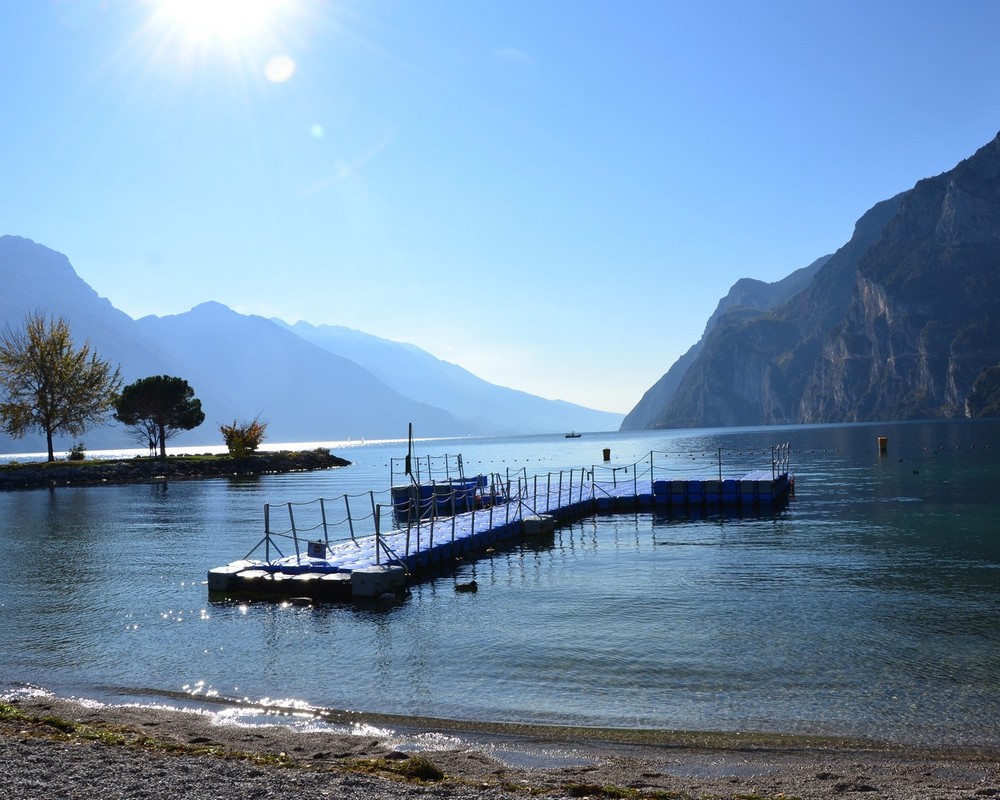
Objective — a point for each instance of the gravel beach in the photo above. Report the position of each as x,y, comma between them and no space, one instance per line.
59,748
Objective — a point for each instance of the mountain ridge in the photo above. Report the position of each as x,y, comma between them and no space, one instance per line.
900,323
241,366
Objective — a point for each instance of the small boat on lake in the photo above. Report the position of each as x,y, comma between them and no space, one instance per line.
573,435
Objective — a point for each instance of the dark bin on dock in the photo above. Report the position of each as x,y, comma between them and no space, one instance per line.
730,491
465,495
696,492
661,488
444,499
678,492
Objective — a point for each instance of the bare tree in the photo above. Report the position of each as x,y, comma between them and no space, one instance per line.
49,384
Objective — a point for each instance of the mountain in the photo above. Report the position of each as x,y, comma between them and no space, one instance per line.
746,294
901,323
243,366
304,392
35,278
478,404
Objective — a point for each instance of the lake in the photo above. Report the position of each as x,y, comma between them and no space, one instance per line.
869,606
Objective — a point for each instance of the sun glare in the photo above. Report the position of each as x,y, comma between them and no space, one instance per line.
218,19
235,25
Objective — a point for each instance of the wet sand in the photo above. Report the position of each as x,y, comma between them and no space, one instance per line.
58,748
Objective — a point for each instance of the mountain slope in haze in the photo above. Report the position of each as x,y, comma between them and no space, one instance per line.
304,392
37,279
243,366
747,294
477,403
903,322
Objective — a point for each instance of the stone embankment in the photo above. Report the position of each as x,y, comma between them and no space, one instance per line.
148,470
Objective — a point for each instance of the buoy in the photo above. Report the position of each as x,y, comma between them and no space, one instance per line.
607,453
883,444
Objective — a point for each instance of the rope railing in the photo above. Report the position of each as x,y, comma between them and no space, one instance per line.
422,469
424,513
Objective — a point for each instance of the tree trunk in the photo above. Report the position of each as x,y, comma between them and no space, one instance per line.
163,442
48,438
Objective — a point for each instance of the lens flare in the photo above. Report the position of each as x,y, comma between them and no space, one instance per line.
279,68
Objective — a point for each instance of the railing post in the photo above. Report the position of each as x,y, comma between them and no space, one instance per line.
506,519
493,500
322,513
267,533
295,535
378,537
350,521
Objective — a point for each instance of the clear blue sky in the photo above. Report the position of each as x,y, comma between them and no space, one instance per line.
551,194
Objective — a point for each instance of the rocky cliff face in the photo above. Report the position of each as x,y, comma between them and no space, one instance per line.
746,295
898,324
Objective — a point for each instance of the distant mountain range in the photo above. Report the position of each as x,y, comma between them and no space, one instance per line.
902,322
309,383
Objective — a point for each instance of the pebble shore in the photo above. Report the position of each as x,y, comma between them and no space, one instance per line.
58,748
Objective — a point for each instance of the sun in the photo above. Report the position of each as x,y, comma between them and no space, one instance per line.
232,25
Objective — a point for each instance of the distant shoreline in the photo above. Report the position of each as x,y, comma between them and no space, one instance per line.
37,475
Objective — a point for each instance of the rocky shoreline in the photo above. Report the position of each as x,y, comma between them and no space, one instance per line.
53,747
149,470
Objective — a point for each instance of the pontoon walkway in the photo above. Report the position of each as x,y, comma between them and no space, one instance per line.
439,521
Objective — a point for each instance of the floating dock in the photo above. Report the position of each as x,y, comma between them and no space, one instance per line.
434,521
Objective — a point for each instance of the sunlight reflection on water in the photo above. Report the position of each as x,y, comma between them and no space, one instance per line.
870,605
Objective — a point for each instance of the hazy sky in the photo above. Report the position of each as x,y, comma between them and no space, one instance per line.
554,195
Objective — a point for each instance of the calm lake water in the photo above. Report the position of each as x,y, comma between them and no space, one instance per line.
870,605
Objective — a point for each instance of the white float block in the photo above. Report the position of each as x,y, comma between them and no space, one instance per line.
376,581
219,577
538,524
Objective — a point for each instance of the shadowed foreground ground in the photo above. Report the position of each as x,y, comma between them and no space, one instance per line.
54,748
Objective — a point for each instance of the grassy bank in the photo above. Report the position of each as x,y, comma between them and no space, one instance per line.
141,469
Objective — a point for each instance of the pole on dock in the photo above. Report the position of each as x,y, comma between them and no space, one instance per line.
295,537
267,532
350,521
322,513
883,445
